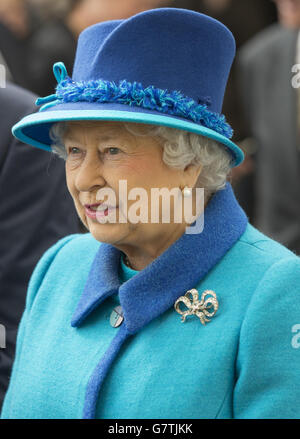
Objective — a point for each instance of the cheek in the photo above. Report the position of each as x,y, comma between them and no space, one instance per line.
136,172
149,172
143,172
155,174
69,179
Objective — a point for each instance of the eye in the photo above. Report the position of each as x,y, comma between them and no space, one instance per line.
113,150
73,150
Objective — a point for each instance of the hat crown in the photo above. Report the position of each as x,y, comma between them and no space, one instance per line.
171,49
157,67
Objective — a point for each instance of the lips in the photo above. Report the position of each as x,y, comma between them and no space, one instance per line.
98,207
96,211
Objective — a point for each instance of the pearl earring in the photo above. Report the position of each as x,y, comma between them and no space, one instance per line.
187,192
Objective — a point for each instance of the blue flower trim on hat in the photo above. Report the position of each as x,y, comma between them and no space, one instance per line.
133,94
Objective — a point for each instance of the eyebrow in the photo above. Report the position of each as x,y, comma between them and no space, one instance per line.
105,137
101,137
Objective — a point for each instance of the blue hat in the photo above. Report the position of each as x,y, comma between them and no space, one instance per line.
165,66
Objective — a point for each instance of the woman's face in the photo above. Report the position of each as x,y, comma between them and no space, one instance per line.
105,163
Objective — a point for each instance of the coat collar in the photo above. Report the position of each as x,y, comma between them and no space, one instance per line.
155,289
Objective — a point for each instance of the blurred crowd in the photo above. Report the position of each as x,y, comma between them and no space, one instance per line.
260,104
36,33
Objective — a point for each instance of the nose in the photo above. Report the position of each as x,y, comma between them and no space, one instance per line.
89,174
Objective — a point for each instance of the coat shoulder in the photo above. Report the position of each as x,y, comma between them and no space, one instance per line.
266,247
267,340
77,250
68,255
253,258
78,244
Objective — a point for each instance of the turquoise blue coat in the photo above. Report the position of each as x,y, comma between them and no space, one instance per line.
244,363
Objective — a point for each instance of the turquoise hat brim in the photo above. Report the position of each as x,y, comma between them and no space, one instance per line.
34,128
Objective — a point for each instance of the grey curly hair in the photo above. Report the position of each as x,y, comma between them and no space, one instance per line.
180,149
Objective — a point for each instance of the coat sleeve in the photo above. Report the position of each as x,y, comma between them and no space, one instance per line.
35,282
268,360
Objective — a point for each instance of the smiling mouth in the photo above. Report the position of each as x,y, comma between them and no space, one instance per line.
98,211
98,207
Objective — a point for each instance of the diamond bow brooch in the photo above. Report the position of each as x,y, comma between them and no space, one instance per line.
204,309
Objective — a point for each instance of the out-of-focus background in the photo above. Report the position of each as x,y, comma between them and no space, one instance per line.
36,33
260,103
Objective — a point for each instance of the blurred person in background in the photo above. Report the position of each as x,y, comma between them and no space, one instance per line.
52,41
63,21
17,23
35,211
13,13
273,116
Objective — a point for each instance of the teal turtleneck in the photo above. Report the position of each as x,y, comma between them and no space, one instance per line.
125,273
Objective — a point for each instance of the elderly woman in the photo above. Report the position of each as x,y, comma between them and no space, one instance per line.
170,307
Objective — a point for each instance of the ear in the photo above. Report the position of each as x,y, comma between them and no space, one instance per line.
191,175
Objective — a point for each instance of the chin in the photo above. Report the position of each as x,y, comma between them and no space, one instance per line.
108,233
